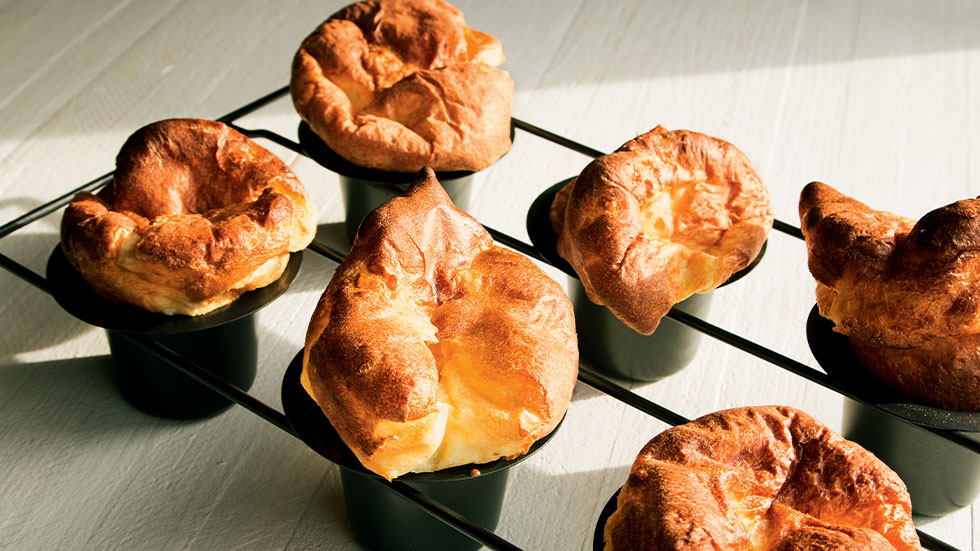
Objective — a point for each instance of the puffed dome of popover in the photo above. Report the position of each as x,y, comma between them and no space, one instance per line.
196,214
401,84
759,479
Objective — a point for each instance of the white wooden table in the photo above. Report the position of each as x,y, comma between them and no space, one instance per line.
879,99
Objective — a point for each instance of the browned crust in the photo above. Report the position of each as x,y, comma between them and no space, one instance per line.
906,293
942,372
717,228
888,280
759,478
424,285
401,84
196,215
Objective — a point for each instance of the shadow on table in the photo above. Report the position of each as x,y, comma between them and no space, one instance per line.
228,481
21,204
64,402
34,321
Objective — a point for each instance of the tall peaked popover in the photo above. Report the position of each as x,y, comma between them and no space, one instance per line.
432,347
759,478
906,293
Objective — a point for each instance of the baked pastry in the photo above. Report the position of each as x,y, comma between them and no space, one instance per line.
906,293
196,215
941,372
432,347
667,215
886,279
401,84
759,478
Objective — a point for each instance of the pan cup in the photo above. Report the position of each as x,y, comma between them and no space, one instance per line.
362,195
154,385
380,518
224,342
599,534
609,346
941,476
383,520
606,344
365,189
